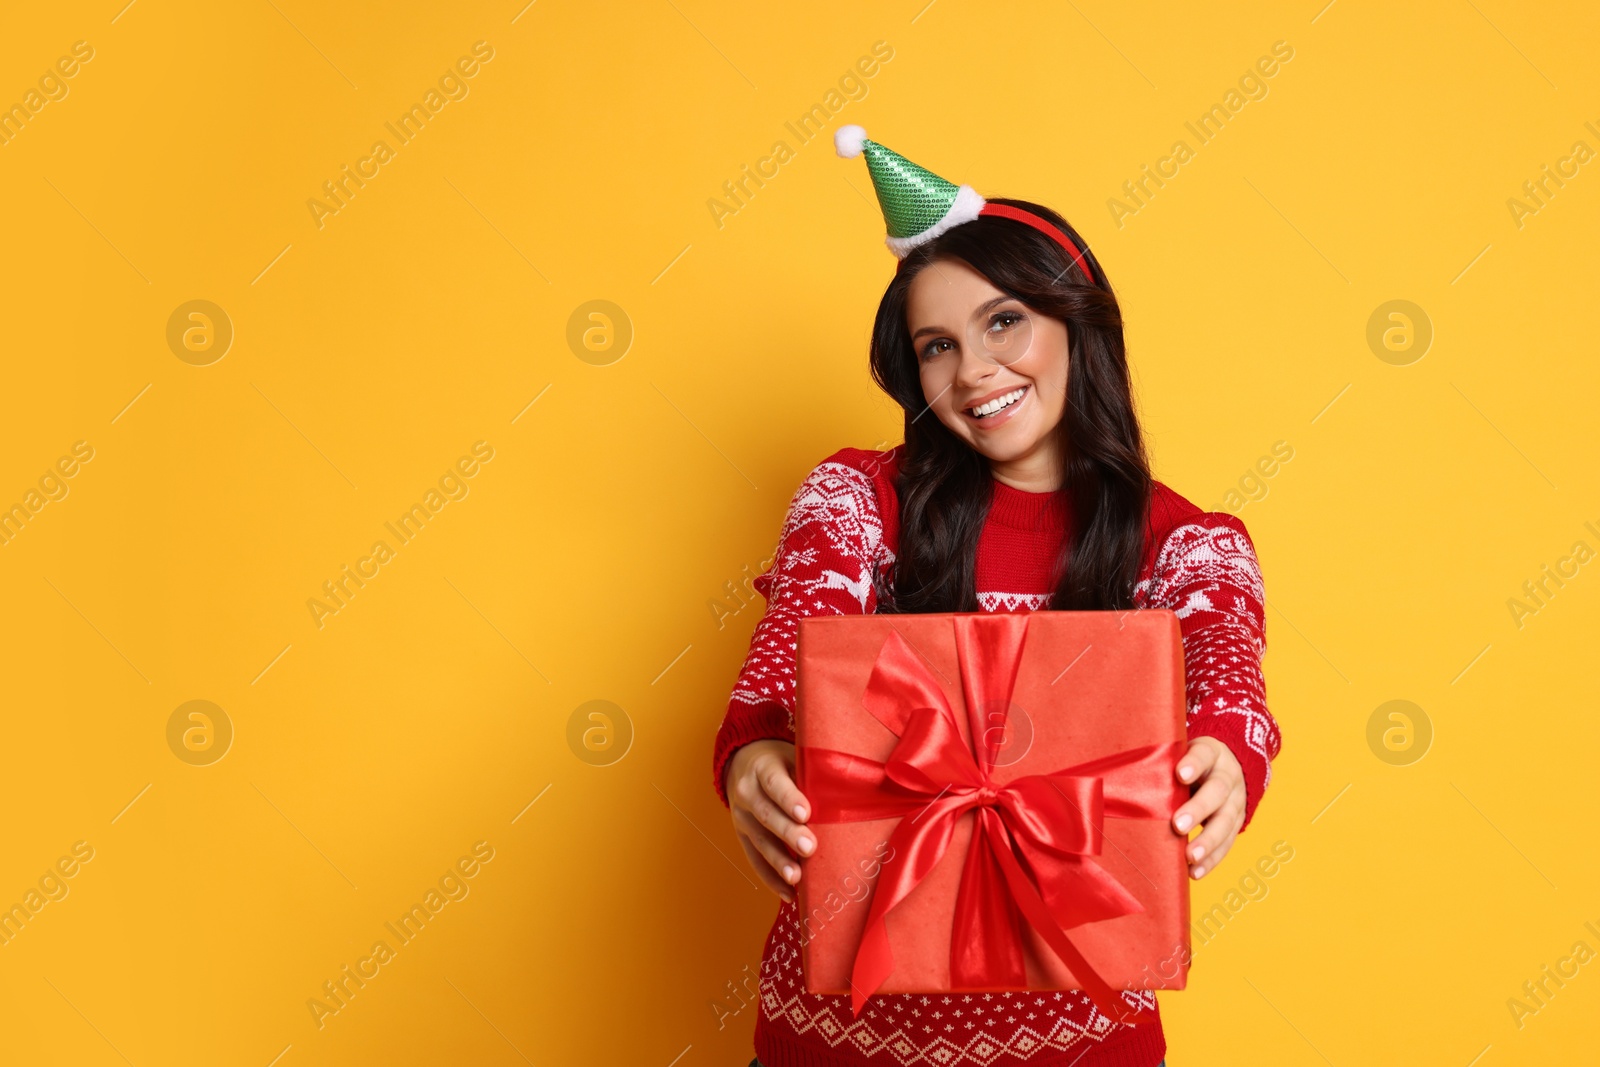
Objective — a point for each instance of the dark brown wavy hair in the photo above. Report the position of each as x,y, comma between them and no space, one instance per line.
945,487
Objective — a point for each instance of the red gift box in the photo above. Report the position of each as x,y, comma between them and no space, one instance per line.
1040,857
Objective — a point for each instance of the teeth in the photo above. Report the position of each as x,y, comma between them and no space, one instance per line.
998,403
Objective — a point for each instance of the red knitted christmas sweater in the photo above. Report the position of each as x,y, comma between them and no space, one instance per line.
838,540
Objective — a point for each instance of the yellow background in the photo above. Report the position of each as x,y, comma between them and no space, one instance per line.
369,354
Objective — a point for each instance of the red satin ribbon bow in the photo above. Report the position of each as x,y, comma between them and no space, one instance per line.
1032,850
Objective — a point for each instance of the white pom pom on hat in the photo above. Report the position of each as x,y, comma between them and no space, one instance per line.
847,141
908,194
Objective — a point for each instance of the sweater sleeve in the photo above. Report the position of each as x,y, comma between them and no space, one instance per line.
1206,572
825,564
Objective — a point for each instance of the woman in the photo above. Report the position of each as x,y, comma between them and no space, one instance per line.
1022,485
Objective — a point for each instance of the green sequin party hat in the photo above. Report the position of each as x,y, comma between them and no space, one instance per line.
917,204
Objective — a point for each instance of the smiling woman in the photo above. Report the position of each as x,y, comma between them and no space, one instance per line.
999,312
1027,489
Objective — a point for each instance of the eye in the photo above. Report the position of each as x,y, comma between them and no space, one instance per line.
1002,321
937,347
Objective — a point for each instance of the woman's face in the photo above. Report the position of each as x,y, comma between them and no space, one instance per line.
976,345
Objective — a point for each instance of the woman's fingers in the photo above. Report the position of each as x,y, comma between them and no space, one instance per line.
774,787
777,781
1221,830
772,848
1198,808
760,786
1218,804
1200,758
795,836
763,868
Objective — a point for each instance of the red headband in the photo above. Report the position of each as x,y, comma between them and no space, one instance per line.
1028,218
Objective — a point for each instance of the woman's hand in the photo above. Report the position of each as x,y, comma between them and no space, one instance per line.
768,810
1218,803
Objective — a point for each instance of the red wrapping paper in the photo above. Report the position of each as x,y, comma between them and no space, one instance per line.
1084,712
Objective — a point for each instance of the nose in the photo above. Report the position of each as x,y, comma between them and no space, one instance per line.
973,370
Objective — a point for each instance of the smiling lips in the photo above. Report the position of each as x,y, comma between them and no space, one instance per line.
996,408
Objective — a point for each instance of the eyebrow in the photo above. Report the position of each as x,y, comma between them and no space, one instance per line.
979,310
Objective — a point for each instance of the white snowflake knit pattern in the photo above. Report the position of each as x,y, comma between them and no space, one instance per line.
1208,575
832,523
937,1029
